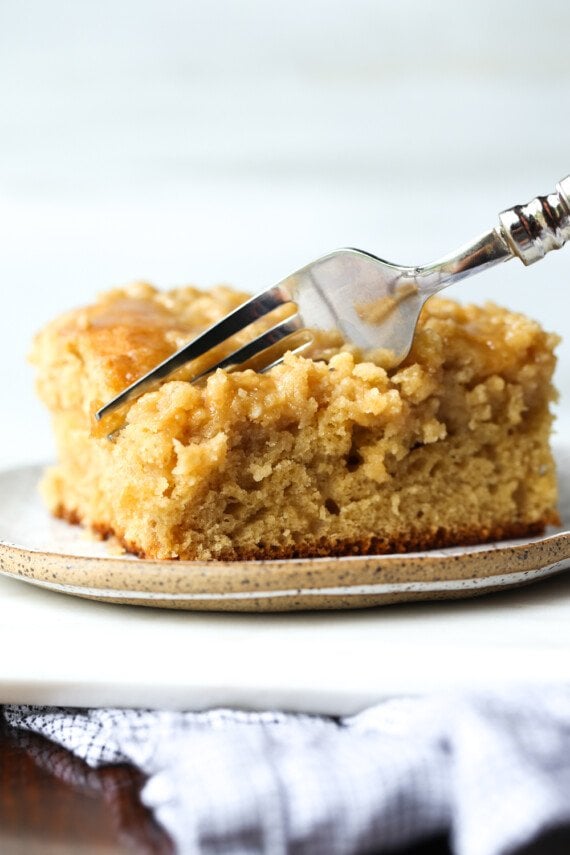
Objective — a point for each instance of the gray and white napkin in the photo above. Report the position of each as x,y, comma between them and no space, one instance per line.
493,770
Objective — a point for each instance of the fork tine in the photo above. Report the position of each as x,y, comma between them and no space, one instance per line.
264,342
303,343
237,320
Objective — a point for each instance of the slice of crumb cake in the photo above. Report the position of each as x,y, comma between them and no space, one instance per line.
312,458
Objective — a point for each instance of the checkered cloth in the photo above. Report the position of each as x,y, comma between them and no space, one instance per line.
493,770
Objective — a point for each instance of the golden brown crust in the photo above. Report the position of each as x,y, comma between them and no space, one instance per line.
124,334
373,545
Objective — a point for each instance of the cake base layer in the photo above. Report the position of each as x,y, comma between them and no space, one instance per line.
374,545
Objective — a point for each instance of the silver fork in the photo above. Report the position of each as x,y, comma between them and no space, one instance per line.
374,304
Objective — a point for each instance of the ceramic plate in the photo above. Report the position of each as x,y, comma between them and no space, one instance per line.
50,553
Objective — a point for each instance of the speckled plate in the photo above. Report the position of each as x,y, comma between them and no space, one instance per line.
47,552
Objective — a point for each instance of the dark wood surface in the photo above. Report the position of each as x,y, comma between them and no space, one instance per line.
51,803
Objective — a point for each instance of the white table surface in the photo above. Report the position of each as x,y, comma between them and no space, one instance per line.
58,649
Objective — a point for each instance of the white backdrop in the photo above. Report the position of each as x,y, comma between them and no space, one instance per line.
234,141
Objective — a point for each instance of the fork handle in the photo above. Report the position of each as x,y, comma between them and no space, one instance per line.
526,231
540,226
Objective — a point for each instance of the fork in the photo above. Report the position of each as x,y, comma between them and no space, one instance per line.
374,304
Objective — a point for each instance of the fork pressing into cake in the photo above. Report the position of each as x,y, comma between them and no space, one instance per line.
374,304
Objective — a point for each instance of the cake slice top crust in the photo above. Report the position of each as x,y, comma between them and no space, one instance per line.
99,350
88,355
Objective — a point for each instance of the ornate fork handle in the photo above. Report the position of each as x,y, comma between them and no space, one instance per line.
543,224
526,231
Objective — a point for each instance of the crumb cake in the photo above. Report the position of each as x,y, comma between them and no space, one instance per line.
315,457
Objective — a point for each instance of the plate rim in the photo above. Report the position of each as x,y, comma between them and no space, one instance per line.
502,580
